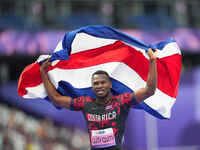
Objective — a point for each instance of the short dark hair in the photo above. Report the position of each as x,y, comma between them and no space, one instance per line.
101,72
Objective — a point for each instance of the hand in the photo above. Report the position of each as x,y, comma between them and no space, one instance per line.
45,65
152,54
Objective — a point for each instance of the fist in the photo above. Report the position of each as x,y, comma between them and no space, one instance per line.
152,54
45,65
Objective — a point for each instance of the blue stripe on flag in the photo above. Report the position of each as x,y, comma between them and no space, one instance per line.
67,89
107,33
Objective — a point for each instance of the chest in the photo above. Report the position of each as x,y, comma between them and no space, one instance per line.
98,113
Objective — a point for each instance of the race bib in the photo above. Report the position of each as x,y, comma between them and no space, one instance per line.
102,138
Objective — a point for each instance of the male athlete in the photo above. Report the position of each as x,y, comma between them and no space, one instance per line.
106,114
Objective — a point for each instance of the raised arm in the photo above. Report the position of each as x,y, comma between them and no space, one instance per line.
55,97
149,89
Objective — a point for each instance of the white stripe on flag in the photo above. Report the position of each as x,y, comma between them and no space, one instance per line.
160,101
83,42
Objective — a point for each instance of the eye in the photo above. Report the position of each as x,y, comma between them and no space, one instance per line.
103,82
95,83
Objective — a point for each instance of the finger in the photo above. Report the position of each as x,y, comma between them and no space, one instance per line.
156,49
46,63
48,59
149,51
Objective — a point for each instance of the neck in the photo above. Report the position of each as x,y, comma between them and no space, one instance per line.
103,100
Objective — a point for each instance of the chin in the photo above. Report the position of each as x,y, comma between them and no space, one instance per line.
101,96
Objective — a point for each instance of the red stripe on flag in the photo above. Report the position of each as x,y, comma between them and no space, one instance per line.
29,77
168,67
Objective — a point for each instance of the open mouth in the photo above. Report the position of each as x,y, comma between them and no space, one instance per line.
100,92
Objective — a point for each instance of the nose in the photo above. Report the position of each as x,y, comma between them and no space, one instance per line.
99,85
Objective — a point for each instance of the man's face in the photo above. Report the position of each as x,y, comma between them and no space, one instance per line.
101,85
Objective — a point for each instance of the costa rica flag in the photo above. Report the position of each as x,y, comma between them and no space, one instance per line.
91,48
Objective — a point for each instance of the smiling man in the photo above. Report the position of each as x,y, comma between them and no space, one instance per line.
105,114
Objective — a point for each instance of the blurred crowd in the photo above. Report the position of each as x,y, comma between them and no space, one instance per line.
67,14
21,131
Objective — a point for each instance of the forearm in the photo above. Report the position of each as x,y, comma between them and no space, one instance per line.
143,93
152,77
54,96
49,87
